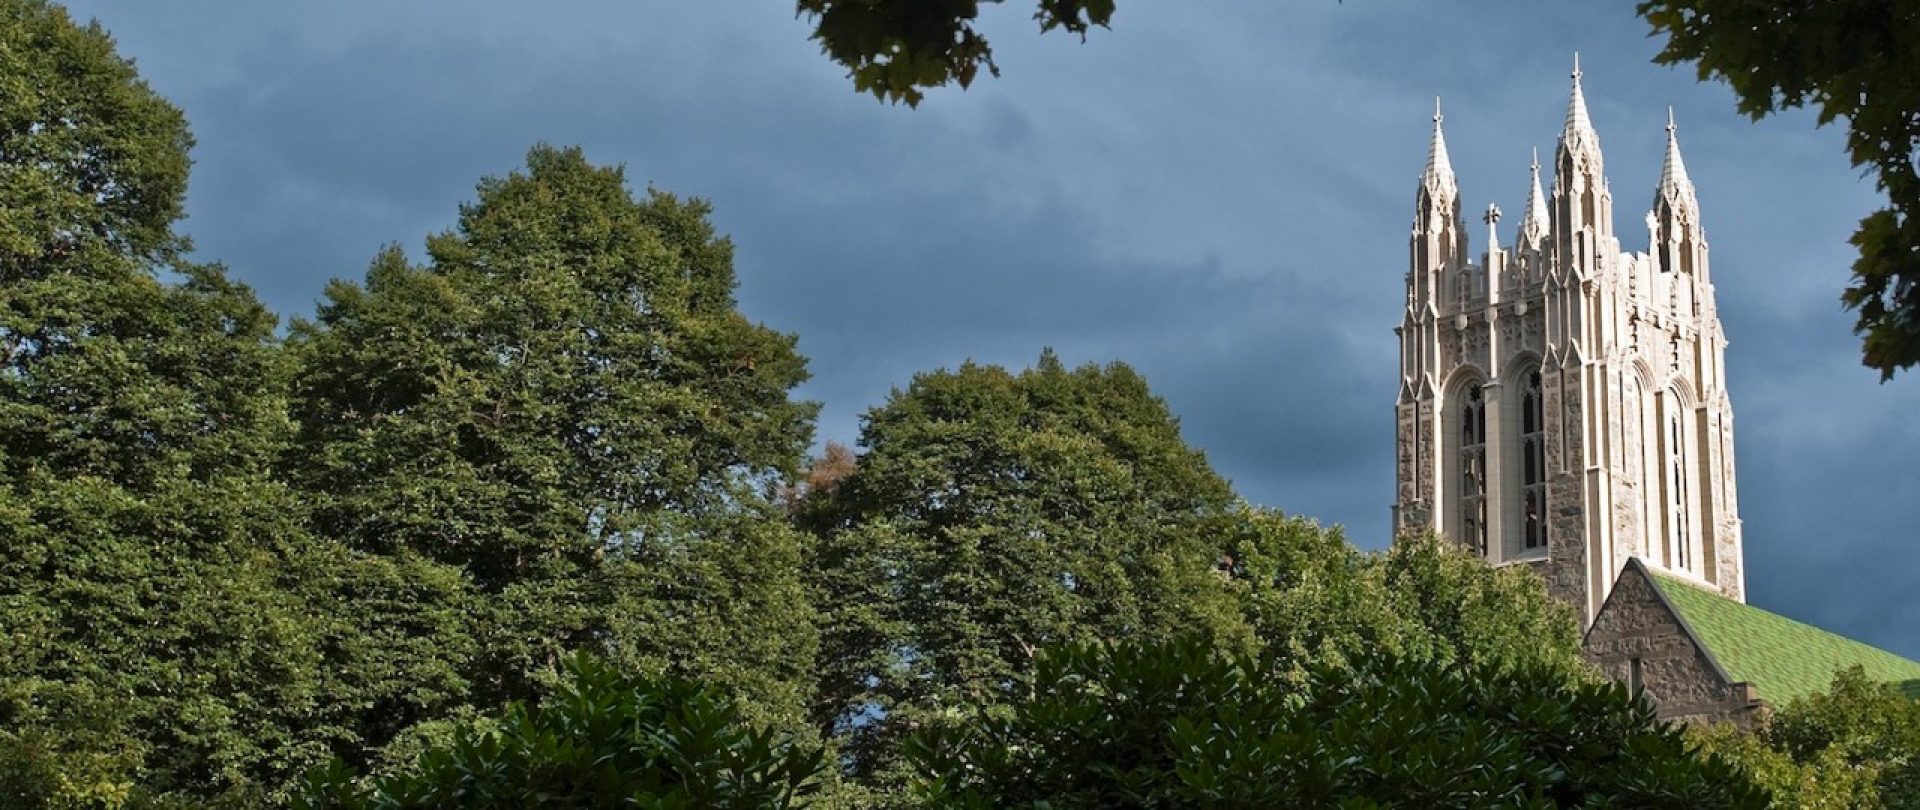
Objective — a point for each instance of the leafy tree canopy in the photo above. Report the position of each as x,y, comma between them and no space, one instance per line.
1852,60
569,364
1826,781
995,512
93,163
1314,600
565,404
1856,745
896,49
1869,728
168,629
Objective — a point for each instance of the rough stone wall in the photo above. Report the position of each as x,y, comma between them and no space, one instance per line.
1675,672
1726,548
1566,568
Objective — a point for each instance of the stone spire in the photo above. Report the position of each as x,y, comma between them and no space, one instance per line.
1673,172
1439,238
1439,173
1579,128
1580,199
1533,228
1677,237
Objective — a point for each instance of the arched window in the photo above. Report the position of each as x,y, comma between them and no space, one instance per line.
1533,465
1473,468
1677,513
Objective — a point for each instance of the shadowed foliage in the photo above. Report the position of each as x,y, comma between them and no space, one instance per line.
897,49
993,513
1175,724
1851,60
601,739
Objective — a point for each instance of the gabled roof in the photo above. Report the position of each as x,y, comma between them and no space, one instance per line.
1783,658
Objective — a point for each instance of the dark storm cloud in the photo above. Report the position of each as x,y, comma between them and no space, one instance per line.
1216,193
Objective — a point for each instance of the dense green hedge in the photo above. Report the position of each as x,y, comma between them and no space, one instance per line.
1178,725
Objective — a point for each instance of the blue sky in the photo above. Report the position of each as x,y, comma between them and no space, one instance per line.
1214,192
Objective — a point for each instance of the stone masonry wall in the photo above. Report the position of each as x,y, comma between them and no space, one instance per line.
1675,672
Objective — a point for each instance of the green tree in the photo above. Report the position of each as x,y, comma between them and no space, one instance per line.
1174,724
1855,745
1852,60
169,631
1826,781
993,513
895,49
1870,727
1311,597
1314,600
601,739
565,403
1462,610
93,164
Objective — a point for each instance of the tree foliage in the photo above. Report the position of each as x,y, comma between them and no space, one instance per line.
175,630
995,512
567,366
601,739
1173,724
1315,600
1824,782
165,621
1848,59
565,405
896,49
93,163
1855,745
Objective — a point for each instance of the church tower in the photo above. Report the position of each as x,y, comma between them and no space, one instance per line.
1563,403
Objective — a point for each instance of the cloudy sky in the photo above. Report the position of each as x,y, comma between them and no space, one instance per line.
1215,192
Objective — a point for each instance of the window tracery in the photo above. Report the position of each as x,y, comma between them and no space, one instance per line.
1678,528
1473,468
1533,465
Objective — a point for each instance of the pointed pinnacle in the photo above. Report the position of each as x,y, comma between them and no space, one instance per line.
1438,164
1673,171
1577,119
1534,224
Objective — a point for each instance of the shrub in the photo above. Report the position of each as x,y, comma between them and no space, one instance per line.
1175,725
602,739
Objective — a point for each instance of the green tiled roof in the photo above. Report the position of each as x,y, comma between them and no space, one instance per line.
1785,659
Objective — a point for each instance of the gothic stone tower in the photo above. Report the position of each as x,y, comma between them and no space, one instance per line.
1562,403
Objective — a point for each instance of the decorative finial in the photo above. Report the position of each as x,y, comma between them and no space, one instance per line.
1536,162
1576,66
1670,126
1492,216
1437,117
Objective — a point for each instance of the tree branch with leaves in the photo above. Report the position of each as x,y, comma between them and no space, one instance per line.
1848,59
896,49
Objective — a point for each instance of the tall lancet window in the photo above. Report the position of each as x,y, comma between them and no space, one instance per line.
1473,468
1677,514
1533,465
